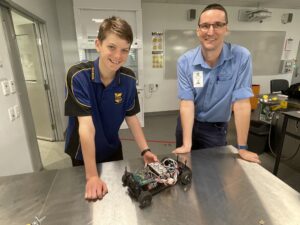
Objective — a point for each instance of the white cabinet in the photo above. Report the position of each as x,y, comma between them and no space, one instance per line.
140,115
141,100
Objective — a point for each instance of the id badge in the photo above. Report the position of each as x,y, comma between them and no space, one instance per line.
198,79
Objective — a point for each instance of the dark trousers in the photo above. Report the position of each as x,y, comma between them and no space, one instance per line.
204,135
115,157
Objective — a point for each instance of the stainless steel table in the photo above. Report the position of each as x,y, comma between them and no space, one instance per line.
290,127
224,190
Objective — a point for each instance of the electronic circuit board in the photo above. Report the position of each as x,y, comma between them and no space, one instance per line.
155,177
157,168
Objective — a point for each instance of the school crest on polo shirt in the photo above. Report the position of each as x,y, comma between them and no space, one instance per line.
118,97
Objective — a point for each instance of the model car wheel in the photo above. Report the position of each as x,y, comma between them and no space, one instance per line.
124,179
186,177
145,199
164,158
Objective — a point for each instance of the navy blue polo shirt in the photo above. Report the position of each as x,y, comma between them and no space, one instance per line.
87,96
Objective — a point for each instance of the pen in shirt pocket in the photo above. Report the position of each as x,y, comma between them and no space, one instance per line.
218,79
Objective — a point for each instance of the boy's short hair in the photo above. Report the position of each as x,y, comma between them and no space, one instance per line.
215,6
117,26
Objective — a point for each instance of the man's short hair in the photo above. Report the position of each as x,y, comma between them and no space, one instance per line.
215,6
117,26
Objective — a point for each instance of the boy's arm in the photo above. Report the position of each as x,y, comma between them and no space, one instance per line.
95,187
138,134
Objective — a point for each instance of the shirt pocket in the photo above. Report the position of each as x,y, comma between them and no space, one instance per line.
224,86
224,76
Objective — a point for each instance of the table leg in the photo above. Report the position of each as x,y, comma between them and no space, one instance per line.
279,150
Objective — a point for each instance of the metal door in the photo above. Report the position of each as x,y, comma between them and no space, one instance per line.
296,72
25,158
29,44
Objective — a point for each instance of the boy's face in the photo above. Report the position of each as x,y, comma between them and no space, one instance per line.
113,51
213,37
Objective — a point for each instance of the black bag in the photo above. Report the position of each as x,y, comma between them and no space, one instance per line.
293,91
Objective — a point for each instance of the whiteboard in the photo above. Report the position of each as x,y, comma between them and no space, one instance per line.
265,47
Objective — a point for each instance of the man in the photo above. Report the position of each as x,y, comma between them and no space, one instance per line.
99,95
213,79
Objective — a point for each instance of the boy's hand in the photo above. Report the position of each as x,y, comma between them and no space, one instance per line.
95,188
150,157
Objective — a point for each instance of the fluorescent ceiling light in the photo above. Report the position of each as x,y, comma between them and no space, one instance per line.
97,20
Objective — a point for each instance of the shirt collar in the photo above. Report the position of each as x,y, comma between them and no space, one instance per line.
95,72
95,75
225,55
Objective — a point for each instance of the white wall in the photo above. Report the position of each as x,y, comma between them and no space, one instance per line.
65,15
159,17
108,4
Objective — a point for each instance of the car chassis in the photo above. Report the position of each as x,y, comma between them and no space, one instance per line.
155,177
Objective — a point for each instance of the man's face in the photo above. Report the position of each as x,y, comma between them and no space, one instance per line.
211,29
113,52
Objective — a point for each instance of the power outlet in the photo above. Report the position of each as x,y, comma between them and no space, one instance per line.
5,87
17,111
151,88
12,86
11,114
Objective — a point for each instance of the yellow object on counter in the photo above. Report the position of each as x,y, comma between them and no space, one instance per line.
283,104
275,107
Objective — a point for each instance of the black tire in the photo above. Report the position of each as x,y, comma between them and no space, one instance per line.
124,179
145,199
164,158
186,177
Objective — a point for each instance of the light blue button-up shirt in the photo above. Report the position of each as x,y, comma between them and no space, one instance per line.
225,83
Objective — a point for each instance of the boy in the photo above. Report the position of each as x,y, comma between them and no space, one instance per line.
99,95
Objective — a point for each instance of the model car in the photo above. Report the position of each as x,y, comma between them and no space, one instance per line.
155,177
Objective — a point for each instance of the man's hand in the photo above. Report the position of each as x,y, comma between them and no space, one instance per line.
182,149
95,188
150,157
249,156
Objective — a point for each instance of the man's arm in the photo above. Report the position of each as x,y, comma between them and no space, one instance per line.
138,134
187,114
95,187
242,113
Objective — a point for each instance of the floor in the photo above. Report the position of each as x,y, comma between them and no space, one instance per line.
160,133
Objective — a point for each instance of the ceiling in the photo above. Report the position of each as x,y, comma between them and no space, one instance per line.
283,4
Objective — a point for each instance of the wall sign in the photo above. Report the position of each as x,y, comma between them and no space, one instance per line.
157,50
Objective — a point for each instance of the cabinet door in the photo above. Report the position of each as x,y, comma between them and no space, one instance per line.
140,115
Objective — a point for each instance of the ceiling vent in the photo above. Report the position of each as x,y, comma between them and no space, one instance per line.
254,15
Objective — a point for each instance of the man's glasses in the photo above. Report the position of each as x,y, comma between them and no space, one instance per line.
217,26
